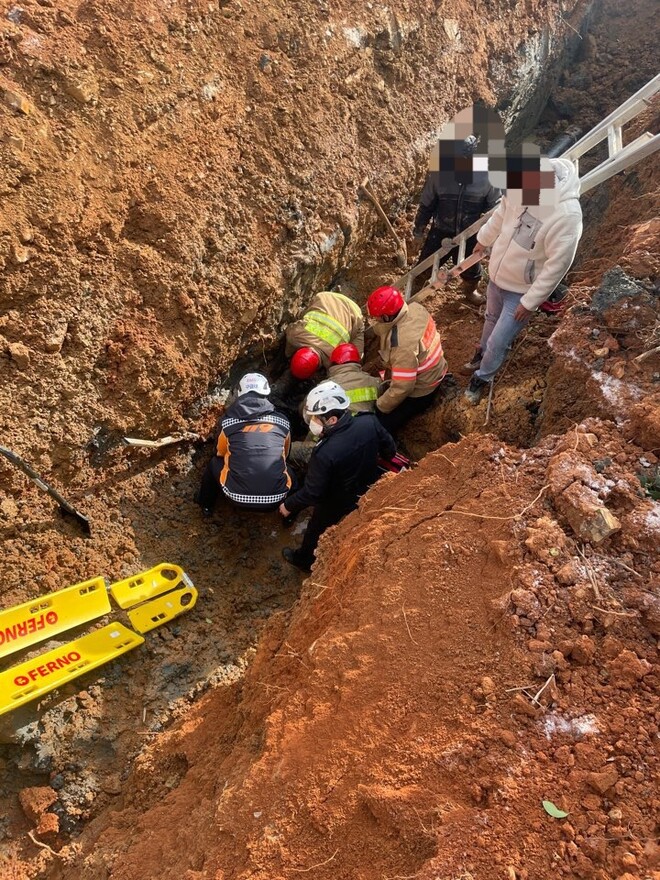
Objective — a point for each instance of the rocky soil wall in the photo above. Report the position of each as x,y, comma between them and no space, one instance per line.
178,179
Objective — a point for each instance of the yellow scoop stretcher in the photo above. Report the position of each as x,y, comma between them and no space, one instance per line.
31,622
34,678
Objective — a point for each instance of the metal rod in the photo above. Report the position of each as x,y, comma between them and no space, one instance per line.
64,505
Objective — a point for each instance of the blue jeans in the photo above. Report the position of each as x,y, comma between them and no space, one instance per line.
500,329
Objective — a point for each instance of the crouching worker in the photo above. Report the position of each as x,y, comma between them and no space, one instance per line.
361,389
346,370
249,467
411,350
330,319
343,465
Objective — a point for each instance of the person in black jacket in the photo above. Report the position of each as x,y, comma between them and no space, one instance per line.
249,467
454,196
343,465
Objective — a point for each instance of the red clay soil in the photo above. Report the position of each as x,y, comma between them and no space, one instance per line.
178,178
398,724
374,735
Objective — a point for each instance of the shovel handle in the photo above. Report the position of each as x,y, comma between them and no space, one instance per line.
29,471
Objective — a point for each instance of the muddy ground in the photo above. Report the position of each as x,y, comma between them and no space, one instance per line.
398,749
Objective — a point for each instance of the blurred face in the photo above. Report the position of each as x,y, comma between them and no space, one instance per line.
529,184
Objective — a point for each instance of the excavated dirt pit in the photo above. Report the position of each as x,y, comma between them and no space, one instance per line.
376,733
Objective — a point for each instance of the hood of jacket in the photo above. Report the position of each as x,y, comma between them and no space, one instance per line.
567,181
250,406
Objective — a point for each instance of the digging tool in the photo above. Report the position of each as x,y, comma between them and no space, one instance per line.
444,276
164,441
66,508
402,254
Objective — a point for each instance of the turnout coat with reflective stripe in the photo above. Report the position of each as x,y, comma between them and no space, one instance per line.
361,388
254,442
411,348
330,319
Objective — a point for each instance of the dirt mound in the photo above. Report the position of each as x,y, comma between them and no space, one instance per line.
453,661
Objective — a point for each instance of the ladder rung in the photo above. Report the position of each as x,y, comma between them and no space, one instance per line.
624,113
642,147
614,140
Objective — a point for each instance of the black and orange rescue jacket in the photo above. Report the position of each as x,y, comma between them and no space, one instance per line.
254,442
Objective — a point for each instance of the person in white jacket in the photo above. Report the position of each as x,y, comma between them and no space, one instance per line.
533,236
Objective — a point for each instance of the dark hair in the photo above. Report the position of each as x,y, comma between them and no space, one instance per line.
333,412
517,163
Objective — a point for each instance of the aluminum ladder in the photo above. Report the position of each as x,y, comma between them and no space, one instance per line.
619,158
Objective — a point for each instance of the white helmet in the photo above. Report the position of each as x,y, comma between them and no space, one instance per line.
253,382
325,398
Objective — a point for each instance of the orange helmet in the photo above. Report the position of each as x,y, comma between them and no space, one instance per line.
305,363
385,302
346,353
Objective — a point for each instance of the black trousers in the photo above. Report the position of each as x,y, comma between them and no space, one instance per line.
411,406
434,241
324,516
210,487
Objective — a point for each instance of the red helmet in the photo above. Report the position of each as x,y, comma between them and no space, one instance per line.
385,302
346,353
305,363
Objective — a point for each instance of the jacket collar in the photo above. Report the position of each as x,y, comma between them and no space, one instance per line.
341,425
250,405
382,328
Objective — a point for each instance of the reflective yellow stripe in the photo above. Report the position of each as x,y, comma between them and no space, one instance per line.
326,328
362,395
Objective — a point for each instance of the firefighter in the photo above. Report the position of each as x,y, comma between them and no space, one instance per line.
249,467
411,349
330,319
346,370
343,465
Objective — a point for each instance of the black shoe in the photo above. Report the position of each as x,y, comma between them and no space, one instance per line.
294,557
474,364
475,390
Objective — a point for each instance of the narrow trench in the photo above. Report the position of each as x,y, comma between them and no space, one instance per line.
83,741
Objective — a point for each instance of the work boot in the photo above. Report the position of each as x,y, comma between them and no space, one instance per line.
470,294
475,390
474,364
448,388
294,557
